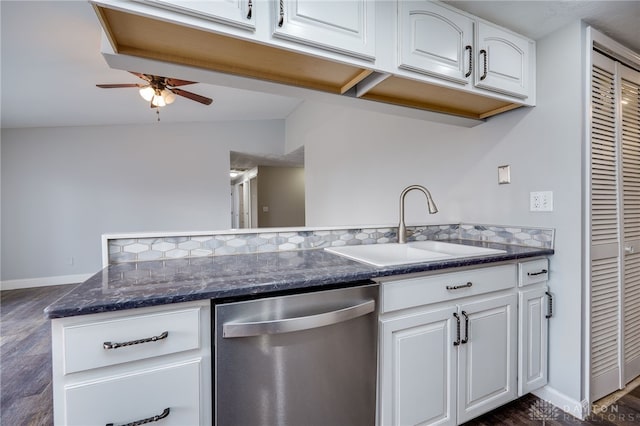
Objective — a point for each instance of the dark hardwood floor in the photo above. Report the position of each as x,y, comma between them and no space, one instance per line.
25,374
530,410
25,356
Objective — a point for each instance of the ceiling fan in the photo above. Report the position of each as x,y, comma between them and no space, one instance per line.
159,91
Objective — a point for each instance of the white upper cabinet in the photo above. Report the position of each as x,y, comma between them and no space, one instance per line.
238,13
442,42
503,61
435,40
342,26
415,53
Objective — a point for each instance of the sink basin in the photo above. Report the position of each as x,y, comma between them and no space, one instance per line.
457,250
387,254
414,252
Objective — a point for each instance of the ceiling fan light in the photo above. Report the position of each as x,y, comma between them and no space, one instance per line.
147,93
158,101
168,96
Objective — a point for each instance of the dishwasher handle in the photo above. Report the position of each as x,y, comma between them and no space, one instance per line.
287,325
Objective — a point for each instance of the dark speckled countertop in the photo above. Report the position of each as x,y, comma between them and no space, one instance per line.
140,284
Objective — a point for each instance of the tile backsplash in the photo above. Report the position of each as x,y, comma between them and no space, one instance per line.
122,249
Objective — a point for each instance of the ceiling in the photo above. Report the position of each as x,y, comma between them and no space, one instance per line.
51,61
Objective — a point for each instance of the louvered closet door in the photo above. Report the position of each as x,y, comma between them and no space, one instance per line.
605,279
630,135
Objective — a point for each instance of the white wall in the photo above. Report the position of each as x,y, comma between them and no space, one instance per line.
357,163
64,187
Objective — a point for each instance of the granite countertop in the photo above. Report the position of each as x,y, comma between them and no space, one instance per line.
140,284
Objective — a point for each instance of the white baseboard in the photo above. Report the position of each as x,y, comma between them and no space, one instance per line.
43,281
574,407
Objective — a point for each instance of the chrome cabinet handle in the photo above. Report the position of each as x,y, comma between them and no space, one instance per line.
470,49
457,341
281,19
249,9
110,345
629,249
484,73
160,416
466,328
456,287
550,314
531,274
258,328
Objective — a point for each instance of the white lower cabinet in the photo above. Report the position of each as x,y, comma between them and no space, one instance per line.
535,304
133,367
487,355
456,356
532,362
418,369
169,393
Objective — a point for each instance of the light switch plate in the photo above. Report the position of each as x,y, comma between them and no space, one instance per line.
541,201
504,174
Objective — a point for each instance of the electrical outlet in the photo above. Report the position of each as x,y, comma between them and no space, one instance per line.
541,201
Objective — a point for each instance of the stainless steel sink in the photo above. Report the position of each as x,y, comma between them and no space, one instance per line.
414,252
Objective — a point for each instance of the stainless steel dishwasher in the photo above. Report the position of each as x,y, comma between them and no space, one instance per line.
304,359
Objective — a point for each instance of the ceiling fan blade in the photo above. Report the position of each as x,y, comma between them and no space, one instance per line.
115,86
145,77
176,82
192,96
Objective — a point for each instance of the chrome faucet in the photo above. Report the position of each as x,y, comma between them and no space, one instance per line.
431,205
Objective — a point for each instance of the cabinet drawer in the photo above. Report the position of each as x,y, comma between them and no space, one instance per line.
535,271
134,397
131,338
413,292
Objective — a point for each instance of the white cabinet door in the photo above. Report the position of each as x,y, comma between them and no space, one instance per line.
487,357
532,340
342,26
502,61
238,13
435,40
417,369
138,396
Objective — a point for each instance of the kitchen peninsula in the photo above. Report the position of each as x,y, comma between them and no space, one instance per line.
160,310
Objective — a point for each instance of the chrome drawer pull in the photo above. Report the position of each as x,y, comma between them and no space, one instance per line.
160,416
531,274
110,345
456,287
